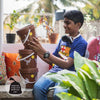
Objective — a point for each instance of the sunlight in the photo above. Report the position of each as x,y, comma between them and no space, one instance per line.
10,5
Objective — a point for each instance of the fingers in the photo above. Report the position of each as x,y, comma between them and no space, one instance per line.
35,39
35,45
31,47
32,43
35,42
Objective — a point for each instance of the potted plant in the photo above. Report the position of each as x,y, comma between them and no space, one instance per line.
84,84
10,37
52,36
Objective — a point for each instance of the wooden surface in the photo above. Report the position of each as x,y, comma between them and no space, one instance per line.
26,95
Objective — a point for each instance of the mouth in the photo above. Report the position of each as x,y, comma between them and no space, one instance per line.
66,30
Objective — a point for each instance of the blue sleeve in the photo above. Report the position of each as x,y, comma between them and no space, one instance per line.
57,49
80,48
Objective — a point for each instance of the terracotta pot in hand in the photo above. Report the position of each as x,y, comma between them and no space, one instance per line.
26,34
28,70
29,76
28,59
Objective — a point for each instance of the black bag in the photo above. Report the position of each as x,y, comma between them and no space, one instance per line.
15,87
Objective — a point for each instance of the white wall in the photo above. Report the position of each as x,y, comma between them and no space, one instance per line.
1,24
42,66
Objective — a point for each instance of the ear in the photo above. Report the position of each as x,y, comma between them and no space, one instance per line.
79,24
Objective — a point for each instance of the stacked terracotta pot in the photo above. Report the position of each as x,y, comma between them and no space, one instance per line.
28,58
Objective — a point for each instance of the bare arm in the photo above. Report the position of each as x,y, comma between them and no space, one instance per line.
61,62
46,60
36,46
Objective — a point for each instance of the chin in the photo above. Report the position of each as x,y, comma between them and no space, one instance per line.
66,32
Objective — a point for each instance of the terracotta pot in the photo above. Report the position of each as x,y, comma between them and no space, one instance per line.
53,37
29,76
28,59
26,34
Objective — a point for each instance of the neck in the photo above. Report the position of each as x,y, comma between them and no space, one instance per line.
74,35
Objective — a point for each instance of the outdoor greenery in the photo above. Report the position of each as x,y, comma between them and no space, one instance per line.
31,14
13,20
92,7
84,84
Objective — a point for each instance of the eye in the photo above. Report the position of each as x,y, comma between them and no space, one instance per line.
66,22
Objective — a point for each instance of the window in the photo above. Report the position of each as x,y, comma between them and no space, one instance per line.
42,21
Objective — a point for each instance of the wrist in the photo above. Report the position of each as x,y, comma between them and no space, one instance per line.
46,54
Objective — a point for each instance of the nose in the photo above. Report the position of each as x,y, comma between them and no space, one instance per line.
64,25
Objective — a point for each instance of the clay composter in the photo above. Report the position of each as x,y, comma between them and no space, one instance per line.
28,58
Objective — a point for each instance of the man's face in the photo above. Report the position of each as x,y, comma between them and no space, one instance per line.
70,27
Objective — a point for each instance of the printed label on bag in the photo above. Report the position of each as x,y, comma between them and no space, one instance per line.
14,86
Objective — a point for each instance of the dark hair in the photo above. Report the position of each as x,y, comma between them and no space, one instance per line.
74,15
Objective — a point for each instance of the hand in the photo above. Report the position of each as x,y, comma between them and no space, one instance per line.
36,46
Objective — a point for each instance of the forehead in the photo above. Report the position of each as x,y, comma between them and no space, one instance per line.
67,20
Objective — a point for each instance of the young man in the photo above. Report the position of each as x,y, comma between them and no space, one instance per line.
63,56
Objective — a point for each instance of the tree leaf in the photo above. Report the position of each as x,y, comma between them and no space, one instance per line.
78,61
91,86
94,70
55,77
85,69
91,66
73,91
98,93
77,83
67,96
